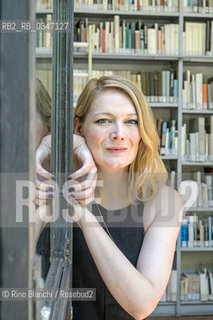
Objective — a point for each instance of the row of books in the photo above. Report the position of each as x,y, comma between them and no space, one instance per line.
44,4
205,190
197,144
196,286
198,6
44,39
123,36
197,93
196,232
193,287
126,5
157,86
198,38
168,135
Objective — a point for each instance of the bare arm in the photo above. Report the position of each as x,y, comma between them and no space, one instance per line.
136,290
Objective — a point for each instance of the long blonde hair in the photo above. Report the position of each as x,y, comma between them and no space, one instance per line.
147,172
43,101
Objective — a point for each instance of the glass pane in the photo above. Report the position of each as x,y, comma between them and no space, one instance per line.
43,85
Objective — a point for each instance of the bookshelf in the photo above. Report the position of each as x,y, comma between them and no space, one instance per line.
136,61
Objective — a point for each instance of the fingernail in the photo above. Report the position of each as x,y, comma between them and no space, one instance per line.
46,202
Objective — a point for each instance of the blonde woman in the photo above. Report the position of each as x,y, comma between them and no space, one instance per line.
125,240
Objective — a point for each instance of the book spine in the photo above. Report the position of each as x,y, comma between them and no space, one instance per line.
210,231
184,233
117,40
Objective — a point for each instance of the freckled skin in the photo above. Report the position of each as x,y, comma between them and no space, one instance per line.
111,122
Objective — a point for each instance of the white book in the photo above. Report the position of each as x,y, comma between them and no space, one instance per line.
191,234
172,39
182,287
152,48
167,143
183,141
117,40
197,155
200,39
210,6
112,30
188,76
107,23
202,132
167,39
203,287
192,151
173,285
188,43
199,198
156,36
176,37
104,4
193,86
194,43
185,94
199,90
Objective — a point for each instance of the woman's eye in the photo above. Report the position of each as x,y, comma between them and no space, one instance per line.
132,121
103,121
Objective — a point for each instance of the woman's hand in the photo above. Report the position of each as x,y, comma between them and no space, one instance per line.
85,172
83,179
44,190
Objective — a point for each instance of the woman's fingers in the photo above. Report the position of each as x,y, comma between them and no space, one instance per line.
85,202
44,186
88,167
81,195
89,182
43,172
42,195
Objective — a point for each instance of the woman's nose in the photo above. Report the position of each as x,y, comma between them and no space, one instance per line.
117,132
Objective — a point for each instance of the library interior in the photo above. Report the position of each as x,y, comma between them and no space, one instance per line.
49,51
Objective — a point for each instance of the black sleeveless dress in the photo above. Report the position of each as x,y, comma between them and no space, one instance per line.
126,229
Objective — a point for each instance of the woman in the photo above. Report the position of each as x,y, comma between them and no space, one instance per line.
123,246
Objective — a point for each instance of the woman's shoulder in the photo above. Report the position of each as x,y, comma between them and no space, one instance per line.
166,203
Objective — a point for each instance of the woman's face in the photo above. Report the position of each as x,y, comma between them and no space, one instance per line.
111,131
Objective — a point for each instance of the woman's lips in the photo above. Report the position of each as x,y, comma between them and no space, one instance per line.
116,149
